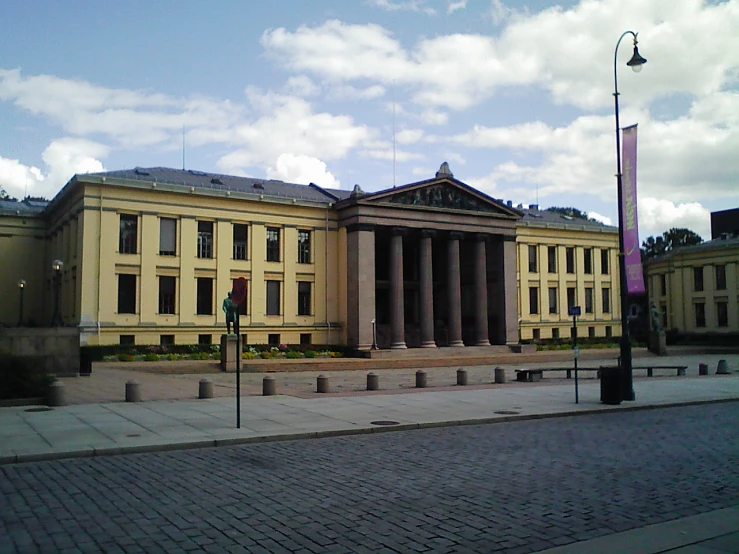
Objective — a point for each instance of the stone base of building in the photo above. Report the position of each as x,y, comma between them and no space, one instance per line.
440,352
658,343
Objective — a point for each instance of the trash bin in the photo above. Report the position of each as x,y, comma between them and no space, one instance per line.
610,385
85,362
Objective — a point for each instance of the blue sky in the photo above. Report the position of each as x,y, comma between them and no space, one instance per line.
516,96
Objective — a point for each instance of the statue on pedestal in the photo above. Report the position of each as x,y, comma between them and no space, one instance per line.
657,340
655,319
229,309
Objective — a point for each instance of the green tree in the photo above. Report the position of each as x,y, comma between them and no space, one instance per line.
571,212
674,238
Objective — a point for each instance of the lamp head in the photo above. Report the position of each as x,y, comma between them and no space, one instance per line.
57,265
636,60
21,283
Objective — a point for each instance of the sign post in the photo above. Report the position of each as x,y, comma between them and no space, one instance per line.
574,311
238,295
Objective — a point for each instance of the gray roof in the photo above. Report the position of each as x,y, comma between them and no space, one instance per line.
542,217
25,207
715,244
216,181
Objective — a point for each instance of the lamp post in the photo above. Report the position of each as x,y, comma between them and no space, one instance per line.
56,266
627,384
21,288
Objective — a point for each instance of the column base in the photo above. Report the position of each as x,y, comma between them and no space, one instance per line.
428,344
456,343
398,346
482,343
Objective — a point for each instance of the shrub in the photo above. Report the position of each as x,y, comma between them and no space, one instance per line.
22,377
266,355
310,353
126,357
291,354
173,357
248,355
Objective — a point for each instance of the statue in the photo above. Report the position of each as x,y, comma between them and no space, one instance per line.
655,319
229,309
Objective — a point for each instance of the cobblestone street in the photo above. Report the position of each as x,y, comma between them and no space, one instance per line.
511,487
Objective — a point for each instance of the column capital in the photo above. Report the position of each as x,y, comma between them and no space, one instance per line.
456,235
399,231
428,233
481,237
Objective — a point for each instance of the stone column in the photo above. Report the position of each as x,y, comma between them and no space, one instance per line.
454,290
360,286
397,311
426,275
481,292
510,292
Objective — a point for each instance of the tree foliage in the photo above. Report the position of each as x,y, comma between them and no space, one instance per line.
571,212
674,238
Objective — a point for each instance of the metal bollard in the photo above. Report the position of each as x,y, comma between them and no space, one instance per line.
373,381
269,387
205,389
461,377
133,391
722,368
56,396
420,379
322,384
499,375
702,369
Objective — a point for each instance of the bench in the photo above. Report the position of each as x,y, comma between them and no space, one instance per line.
532,375
681,369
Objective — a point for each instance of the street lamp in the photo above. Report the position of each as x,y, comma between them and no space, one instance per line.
21,288
57,265
627,384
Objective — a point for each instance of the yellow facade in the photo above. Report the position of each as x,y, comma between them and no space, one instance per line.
696,288
594,289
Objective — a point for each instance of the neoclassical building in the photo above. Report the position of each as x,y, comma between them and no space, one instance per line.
149,254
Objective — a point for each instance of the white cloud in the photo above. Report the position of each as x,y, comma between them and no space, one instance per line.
18,179
499,12
301,85
406,5
658,215
433,117
453,157
348,92
598,217
302,170
453,6
408,136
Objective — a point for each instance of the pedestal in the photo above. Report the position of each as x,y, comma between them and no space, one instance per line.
230,350
658,343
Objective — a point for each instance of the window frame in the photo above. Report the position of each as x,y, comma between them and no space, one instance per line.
304,246
161,300
605,268
553,306
240,247
699,309
533,258
273,244
305,304
587,261
698,279
570,260
162,251
605,300
552,259
533,300
273,284
200,301
123,302
205,241
720,276
128,244
589,300
722,315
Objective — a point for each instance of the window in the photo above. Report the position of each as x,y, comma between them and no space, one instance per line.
166,340
700,315
555,333
605,300
205,339
722,314
205,296
588,300
697,279
167,237
240,235
205,239
273,244
306,338
304,298
273,298
533,300
663,285
304,247
532,260
604,262
570,253
571,299
591,332
273,339
609,331
128,237
552,259
588,260
127,340
720,277
536,334
242,306
167,291
126,294
552,300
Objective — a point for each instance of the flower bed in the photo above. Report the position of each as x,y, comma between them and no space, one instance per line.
212,352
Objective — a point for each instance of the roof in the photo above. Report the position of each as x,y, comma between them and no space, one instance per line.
24,207
544,217
216,181
715,244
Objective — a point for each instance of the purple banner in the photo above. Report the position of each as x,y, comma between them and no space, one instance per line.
630,231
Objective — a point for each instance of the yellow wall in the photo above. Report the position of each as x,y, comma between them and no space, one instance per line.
679,302
542,236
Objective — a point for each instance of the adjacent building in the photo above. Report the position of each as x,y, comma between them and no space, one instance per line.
149,254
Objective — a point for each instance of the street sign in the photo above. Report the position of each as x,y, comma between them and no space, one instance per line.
577,352
573,311
238,294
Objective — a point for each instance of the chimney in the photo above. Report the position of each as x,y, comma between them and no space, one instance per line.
509,203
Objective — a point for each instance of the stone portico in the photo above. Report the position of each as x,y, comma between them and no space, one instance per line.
432,263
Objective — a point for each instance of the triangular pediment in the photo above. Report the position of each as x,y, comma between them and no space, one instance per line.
441,194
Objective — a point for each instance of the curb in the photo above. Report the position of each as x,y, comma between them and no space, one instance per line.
236,441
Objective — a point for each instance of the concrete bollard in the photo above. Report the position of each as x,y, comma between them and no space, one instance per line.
269,387
499,375
702,369
322,383
722,368
373,381
681,372
133,391
461,377
420,379
56,396
205,388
